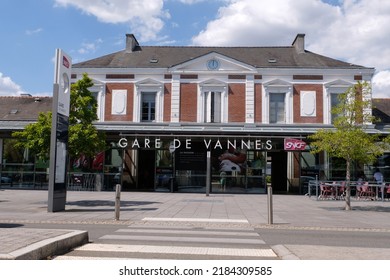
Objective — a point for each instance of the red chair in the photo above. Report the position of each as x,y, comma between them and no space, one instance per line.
366,192
340,190
387,192
326,192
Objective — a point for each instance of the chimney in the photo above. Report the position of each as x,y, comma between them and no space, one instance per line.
299,43
131,43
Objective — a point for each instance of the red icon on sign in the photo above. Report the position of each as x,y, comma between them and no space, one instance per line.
65,62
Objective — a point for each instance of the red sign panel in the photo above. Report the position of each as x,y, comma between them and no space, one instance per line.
65,62
291,144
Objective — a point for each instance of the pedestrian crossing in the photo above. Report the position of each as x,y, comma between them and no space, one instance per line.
156,241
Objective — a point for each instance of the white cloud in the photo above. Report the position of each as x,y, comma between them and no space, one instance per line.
263,22
89,47
356,31
8,87
35,31
381,84
145,17
190,2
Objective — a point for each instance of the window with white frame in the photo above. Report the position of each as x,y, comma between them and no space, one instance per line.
148,106
334,101
212,102
148,101
212,106
277,112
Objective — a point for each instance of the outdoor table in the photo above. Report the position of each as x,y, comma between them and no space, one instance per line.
376,186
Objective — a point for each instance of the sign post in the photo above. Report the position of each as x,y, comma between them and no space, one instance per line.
59,133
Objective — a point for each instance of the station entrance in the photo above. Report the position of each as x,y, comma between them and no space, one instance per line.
236,166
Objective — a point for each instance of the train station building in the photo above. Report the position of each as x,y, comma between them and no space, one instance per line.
173,115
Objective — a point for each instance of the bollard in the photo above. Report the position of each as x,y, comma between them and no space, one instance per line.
270,210
117,201
208,175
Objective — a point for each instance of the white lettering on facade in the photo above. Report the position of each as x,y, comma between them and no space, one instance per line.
158,143
135,144
207,144
269,145
188,144
232,145
147,143
122,143
218,145
247,145
176,143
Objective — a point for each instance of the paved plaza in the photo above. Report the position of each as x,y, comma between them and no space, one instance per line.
20,207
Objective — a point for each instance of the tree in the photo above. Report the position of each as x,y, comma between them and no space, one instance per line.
36,136
349,139
83,136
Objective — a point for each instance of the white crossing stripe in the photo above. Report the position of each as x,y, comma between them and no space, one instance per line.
183,239
195,220
192,232
178,250
74,258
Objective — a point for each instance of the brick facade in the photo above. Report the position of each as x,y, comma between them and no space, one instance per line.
188,102
129,106
167,102
258,103
319,118
236,110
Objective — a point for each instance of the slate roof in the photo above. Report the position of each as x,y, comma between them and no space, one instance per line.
258,57
23,108
381,110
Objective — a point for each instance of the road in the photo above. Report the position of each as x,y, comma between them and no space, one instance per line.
179,241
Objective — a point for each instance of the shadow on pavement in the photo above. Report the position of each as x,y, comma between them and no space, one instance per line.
372,208
108,203
6,225
360,208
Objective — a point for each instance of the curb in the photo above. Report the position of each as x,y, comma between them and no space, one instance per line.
49,247
284,253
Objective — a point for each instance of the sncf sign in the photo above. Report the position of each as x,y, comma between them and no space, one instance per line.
65,61
291,144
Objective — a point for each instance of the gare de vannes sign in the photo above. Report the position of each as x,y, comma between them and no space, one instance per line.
209,144
290,144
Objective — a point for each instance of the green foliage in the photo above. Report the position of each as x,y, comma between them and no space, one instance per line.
83,136
353,145
349,139
36,136
83,106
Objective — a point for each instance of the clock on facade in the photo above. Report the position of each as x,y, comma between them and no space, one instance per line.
213,64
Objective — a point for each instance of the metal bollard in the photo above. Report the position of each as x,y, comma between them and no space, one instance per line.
117,201
208,175
270,210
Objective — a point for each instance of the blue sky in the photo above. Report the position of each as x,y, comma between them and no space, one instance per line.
351,30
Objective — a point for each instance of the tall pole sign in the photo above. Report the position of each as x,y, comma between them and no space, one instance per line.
59,133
